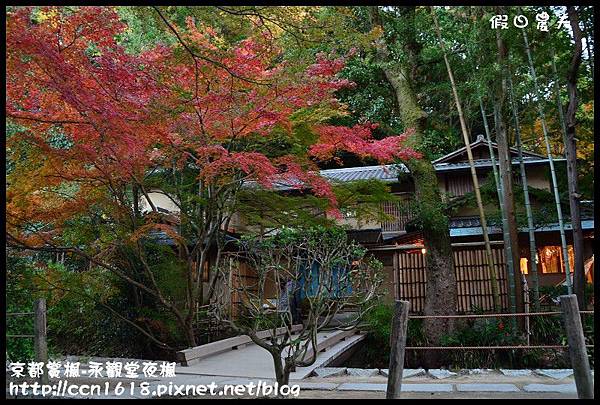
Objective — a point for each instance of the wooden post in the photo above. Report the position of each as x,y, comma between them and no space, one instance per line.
398,343
40,343
526,307
577,350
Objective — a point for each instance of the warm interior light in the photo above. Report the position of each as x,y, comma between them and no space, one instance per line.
423,250
523,265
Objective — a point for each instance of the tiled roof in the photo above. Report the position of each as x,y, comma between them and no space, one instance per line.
386,173
365,236
482,142
441,167
383,172
389,173
464,222
464,226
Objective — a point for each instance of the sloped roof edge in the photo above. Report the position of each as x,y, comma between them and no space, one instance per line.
478,142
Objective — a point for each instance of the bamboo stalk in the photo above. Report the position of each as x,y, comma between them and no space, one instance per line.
561,225
561,114
570,155
465,134
510,265
530,225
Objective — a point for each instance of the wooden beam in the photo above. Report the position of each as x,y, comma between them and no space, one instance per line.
39,340
193,355
398,344
577,349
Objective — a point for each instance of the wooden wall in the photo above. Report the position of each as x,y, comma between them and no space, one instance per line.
474,289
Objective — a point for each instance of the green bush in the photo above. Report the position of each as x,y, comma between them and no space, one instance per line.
19,298
378,324
77,322
482,332
588,331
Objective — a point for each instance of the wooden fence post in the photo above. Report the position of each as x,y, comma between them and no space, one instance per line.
398,344
40,343
526,308
577,350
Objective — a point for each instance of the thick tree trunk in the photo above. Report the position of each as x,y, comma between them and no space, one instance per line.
571,155
440,297
505,163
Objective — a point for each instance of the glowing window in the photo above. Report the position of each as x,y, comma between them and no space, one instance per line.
523,264
551,259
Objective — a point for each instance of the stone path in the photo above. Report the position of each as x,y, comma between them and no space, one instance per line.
324,381
421,384
340,380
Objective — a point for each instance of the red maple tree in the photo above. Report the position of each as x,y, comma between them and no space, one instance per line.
97,126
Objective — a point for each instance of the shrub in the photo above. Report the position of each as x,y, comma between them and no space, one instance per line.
545,330
18,299
77,323
378,323
481,332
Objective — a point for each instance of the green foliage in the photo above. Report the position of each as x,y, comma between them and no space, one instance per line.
373,98
437,143
362,200
483,332
378,324
78,323
19,298
379,320
268,209
143,31
169,271
311,238
543,204
78,319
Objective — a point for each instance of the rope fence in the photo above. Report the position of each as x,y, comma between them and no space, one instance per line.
572,324
492,315
489,347
507,347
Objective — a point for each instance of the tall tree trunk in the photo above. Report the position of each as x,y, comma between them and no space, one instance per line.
463,127
588,44
505,163
440,296
571,155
